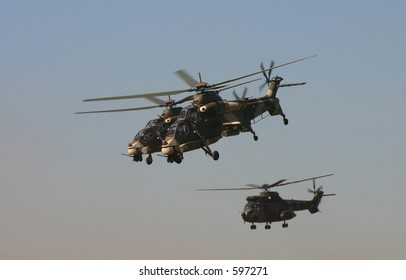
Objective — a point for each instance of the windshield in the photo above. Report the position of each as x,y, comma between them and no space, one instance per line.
251,206
158,123
144,134
150,123
190,113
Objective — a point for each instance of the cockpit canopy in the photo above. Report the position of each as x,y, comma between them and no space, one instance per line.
251,206
157,123
147,134
144,135
190,113
182,126
178,129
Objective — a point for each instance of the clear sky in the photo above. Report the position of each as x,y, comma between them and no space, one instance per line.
67,193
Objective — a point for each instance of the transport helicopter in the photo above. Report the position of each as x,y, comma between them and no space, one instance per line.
268,206
205,121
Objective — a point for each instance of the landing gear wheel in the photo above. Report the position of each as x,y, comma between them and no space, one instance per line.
255,138
170,159
267,226
215,155
285,121
284,225
253,227
149,160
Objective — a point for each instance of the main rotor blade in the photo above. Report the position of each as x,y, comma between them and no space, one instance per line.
239,84
187,98
120,110
156,100
144,95
186,77
277,183
261,71
292,84
230,189
254,186
266,186
308,179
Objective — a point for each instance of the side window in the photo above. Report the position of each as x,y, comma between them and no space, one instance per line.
148,135
182,114
195,116
182,130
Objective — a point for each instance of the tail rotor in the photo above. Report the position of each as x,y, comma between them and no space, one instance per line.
319,191
267,76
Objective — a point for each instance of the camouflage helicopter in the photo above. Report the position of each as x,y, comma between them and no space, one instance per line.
149,139
268,206
211,118
205,121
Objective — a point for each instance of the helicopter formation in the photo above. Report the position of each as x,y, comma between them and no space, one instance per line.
269,206
210,118
205,121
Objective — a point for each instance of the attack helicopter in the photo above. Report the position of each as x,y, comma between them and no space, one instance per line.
211,118
205,121
268,206
149,139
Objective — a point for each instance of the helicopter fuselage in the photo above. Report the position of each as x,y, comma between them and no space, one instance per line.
199,126
269,207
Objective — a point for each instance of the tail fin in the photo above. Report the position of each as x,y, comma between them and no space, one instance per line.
273,87
317,199
314,208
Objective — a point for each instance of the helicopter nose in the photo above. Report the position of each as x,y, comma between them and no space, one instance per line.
244,215
247,215
134,147
146,150
167,150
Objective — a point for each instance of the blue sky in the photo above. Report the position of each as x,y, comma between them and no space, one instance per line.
67,193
